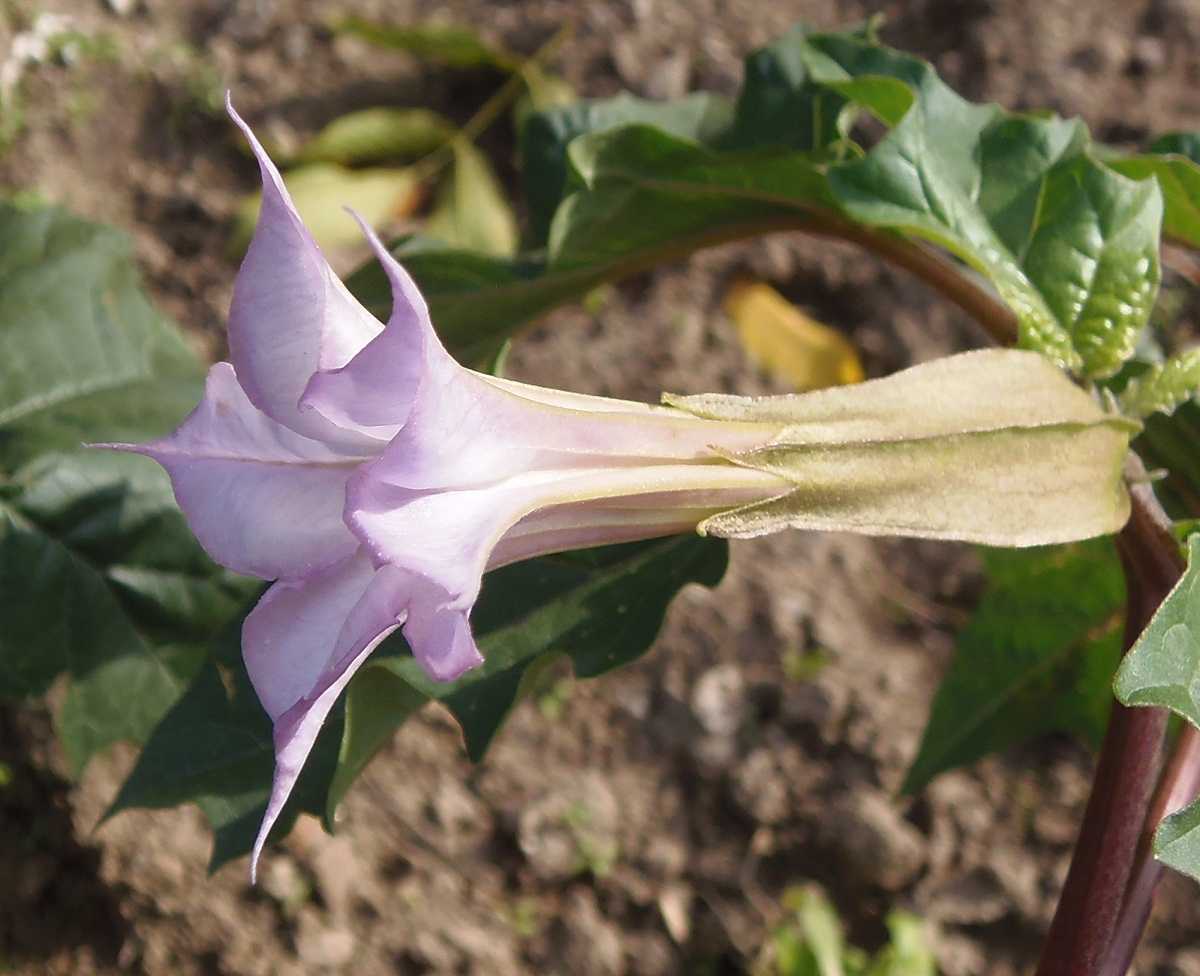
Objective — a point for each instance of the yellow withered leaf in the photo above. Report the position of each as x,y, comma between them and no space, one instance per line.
788,343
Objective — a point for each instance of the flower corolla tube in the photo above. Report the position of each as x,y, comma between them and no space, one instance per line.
375,480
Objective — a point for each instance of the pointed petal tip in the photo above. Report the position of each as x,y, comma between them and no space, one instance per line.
271,176
404,289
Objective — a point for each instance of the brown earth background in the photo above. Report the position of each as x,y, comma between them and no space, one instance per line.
648,822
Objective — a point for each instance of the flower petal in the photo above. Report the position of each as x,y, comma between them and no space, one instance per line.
261,499
291,316
305,641
302,644
451,537
375,391
439,634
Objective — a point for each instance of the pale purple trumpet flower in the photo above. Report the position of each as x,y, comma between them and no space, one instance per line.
375,480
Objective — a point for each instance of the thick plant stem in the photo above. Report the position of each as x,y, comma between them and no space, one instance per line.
1178,787
1090,908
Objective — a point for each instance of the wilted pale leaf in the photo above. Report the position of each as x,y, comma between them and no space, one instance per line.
472,211
322,193
996,446
455,44
377,135
787,342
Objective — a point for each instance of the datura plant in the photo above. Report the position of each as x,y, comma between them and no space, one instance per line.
376,480
429,530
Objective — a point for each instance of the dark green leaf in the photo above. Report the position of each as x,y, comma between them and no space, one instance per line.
1186,144
602,608
214,749
781,104
1037,656
698,196
100,578
83,353
544,139
1172,444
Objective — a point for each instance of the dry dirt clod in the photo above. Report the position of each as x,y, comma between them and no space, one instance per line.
675,904
322,946
571,829
719,700
975,898
583,942
760,787
873,840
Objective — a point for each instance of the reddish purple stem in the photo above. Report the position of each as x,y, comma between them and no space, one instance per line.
1177,788
1094,920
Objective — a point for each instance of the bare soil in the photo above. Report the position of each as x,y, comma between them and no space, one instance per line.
648,822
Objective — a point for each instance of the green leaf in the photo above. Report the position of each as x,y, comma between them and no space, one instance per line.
1094,257
1186,144
781,104
100,578
1177,841
698,197
987,186
1162,387
1174,160
1070,245
378,135
1083,285
472,211
1037,656
602,608
1163,667
700,117
215,749
908,952
457,45
83,353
